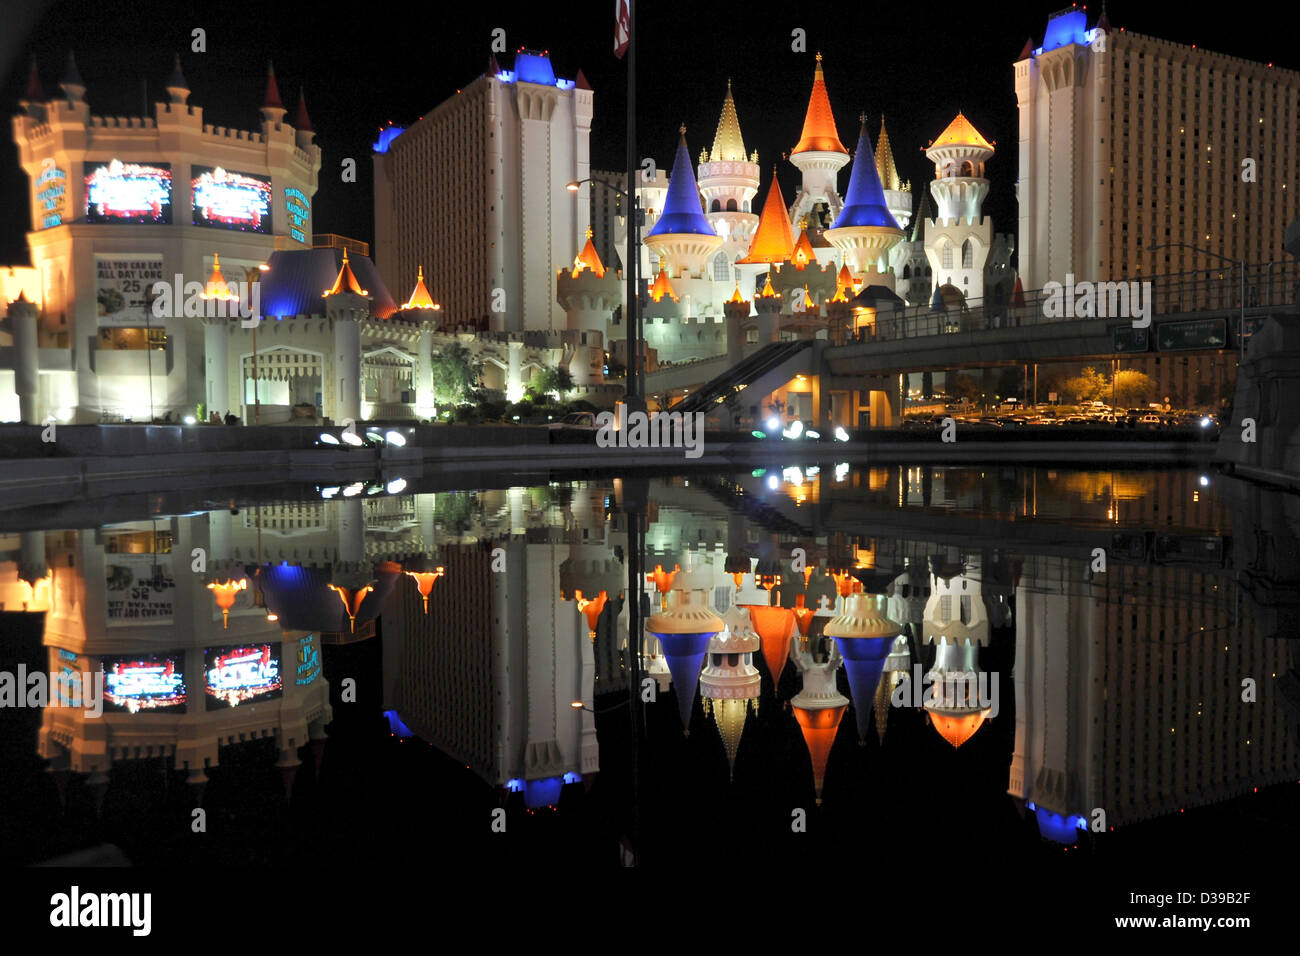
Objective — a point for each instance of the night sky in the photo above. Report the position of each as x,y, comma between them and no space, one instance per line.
364,64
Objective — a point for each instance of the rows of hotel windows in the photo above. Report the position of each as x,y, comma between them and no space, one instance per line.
1219,202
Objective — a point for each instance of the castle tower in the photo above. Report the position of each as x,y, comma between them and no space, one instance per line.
819,155
728,182
917,273
588,293
730,685
866,231
683,238
958,240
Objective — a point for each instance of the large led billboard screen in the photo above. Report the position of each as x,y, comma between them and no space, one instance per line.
230,200
129,192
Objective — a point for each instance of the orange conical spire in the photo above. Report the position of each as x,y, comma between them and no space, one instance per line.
773,239
736,297
662,287
819,132
768,292
216,287
346,281
420,298
588,258
802,254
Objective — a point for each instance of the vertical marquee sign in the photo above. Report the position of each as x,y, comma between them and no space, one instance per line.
298,207
51,197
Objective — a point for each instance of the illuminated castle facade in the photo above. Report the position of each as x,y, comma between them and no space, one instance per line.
119,203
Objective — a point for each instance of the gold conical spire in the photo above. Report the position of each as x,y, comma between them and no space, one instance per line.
728,145
589,258
888,172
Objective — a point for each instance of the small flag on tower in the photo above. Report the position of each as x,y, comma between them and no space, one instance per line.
622,27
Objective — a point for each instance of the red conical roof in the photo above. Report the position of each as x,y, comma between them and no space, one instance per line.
303,122
35,92
581,82
272,90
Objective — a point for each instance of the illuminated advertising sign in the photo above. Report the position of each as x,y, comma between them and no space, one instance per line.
124,287
140,588
230,200
298,207
308,660
51,197
237,675
153,682
129,192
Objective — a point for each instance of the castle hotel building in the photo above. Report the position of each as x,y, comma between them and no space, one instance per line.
475,193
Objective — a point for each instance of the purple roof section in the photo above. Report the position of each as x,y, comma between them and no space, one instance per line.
298,278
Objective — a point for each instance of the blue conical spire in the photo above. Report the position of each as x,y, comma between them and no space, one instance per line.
864,203
682,212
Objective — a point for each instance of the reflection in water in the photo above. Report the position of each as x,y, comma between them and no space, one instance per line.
1102,632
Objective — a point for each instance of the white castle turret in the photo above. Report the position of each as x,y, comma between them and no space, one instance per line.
958,240
728,181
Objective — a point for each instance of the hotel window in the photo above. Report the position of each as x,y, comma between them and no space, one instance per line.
128,339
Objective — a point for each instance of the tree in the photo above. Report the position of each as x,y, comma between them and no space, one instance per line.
549,381
455,374
963,386
1086,387
1132,388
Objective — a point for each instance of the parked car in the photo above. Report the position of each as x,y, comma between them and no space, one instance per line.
582,421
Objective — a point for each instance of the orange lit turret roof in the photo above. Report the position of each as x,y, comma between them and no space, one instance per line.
216,287
845,279
773,239
957,728
736,297
420,298
768,292
819,124
346,281
662,287
960,132
802,253
588,258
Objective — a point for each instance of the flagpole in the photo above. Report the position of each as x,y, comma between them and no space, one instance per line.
635,372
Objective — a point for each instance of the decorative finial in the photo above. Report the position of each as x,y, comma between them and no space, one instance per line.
819,56
589,232
682,130
216,260
862,118
420,273
345,255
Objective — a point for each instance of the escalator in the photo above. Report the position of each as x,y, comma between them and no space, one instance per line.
740,376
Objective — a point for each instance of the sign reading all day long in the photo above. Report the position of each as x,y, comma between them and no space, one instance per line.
124,287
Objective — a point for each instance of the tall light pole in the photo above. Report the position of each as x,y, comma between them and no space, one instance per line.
1241,266
250,276
631,311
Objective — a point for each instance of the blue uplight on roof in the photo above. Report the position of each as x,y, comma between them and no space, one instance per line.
395,725
1059,829
534,68
572,777
386,136
1066,28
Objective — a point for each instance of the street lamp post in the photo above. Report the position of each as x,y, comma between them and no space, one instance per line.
250,276
1241,266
